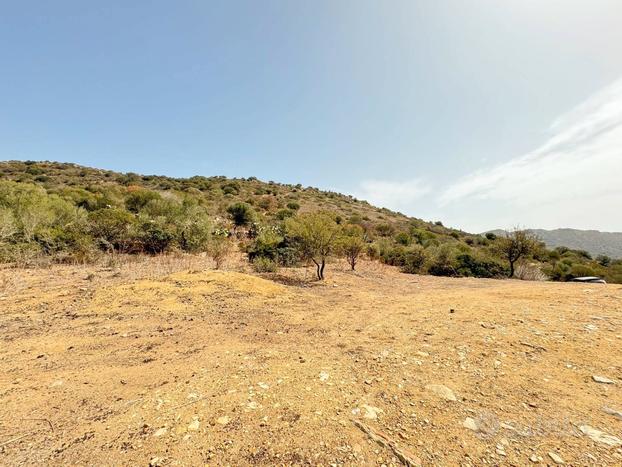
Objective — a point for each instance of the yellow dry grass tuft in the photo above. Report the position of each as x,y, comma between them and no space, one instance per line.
188,291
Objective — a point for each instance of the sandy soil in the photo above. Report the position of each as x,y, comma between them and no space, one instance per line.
102,367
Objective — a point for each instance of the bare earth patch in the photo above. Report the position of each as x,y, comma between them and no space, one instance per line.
373,367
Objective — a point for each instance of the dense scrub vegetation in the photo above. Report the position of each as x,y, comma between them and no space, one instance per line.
68,213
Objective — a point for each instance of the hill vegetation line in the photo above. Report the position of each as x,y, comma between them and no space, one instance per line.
66,213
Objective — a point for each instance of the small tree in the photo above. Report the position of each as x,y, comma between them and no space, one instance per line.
315,235
352,244
241,214
516,245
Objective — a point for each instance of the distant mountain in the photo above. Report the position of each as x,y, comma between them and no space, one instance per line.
592,241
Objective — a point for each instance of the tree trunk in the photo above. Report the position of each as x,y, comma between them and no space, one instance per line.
322,270
318,272
511,268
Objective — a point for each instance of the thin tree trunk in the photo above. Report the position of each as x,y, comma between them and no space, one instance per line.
511,268
322,270
317,269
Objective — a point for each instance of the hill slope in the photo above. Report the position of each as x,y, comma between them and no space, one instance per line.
62,212
217,192
592,241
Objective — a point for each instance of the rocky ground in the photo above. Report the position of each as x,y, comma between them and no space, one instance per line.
99,366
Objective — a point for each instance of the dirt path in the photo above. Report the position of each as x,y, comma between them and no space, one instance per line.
224,368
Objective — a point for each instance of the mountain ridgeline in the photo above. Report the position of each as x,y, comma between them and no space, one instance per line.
62,212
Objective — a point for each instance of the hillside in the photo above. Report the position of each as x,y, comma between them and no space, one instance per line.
593,241
65,213
216,192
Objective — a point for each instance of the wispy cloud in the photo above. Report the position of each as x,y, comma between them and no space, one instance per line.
574,178
397,195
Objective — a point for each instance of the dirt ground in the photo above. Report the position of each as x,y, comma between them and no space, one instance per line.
120,366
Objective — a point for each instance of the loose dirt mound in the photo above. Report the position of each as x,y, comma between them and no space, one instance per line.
184,292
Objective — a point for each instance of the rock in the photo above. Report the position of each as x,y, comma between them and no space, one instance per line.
600,437
160,432
471,424
534,458
57,383
252,405
616,413
194,425
263,386
602,380
371,412
223,420
324,376
556,458
442,391
155,462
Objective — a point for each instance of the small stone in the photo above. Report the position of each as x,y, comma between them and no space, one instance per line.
252,405
194,425
602,380
160,432
471,424
155,462
371,412
600,437
616,413
223,420
263,386
57,383
556,458
324,376
533,458
442,391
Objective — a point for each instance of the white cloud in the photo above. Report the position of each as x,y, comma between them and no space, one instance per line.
574,179
396,195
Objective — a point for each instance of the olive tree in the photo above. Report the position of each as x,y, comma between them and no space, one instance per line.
315,235
515,245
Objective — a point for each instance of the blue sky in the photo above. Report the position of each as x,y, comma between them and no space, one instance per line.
464,111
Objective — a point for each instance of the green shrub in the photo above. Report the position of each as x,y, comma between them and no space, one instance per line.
403,238
241,214
413,260
469,265
284,214
154,235
444,262
112,228
261,264
139,198
373,252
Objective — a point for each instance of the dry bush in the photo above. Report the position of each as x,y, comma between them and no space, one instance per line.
152,267
9,282
529,272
